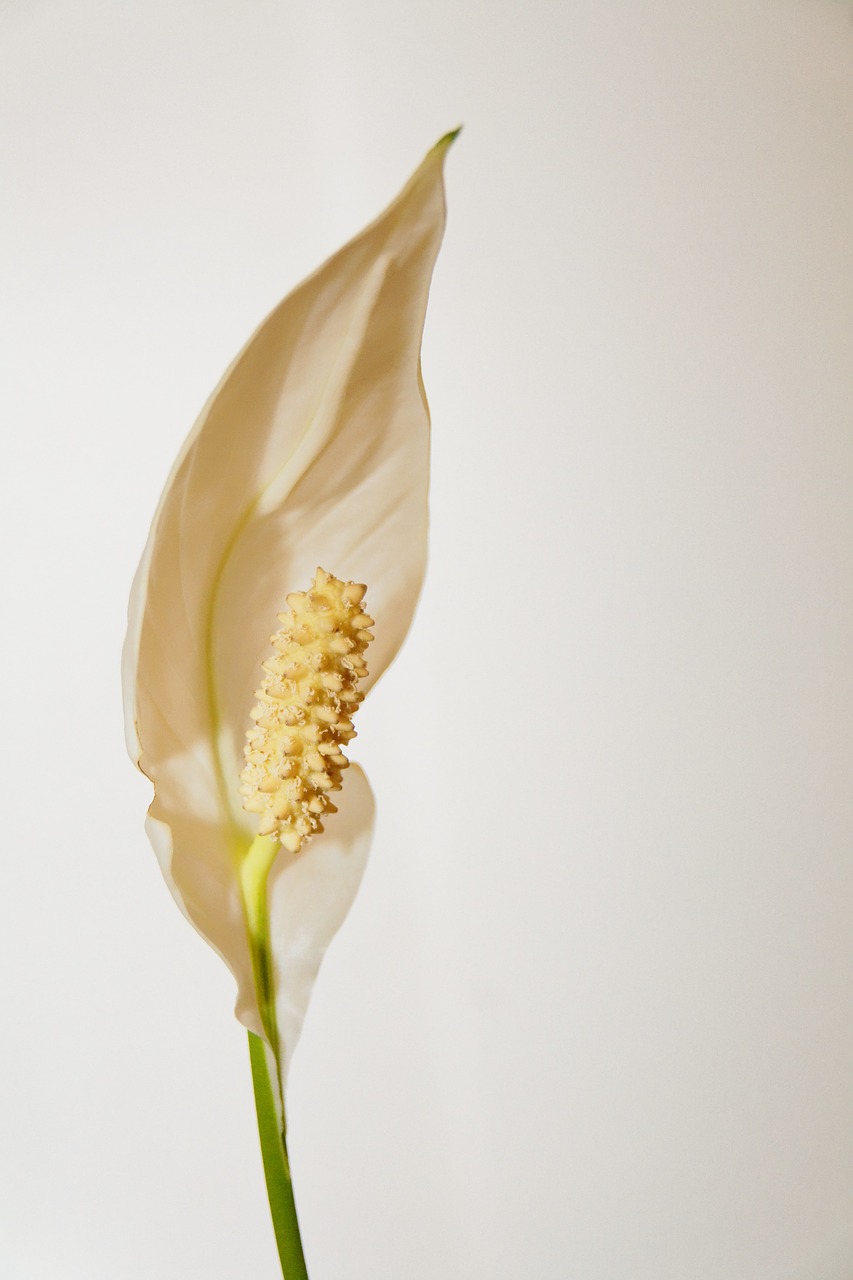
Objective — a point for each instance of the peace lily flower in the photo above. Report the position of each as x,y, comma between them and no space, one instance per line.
312,451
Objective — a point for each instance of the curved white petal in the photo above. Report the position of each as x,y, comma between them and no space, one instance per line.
310,894
312,450
192,849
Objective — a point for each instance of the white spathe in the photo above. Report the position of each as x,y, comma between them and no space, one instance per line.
313,450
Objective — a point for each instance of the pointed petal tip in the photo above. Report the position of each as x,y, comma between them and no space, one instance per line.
448,139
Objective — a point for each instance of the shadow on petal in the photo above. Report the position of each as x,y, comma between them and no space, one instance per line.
185,828
310,894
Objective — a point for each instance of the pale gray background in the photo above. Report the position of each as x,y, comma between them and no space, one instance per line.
590,1018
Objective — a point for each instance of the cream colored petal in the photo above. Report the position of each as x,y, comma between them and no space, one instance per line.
312,450
191,847
310,894
354,496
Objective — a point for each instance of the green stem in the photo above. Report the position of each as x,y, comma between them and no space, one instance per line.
276,1165
266,1064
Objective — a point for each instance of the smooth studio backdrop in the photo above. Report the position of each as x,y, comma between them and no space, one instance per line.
591,1016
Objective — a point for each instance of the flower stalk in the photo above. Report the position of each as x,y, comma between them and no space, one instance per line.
266,1062
273,1135
253,875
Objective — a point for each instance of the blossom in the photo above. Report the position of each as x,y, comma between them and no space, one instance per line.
313,450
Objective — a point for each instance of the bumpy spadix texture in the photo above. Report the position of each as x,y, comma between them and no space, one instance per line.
303,718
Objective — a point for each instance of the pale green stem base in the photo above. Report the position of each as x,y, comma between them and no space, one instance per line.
254,869
269,1095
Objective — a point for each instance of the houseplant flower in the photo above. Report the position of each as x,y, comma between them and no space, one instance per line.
313,450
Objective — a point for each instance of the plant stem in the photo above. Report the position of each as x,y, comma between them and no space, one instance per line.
253,873
254,870
276,1165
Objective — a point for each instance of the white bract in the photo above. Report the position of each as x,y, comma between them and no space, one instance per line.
313,450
